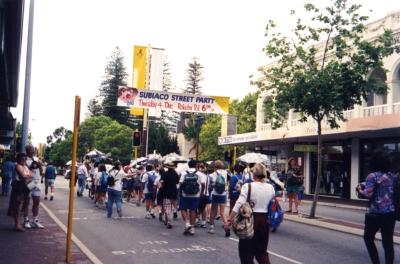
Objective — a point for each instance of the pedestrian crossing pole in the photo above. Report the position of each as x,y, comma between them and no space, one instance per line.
72,178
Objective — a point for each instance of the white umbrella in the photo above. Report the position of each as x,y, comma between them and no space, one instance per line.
95,152
255,158
173,157
69,163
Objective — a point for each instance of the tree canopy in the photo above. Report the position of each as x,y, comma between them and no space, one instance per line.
322,70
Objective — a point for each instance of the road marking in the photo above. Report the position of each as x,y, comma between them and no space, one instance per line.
77,242
192,248
274,254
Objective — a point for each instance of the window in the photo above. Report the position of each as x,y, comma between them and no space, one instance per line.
378,75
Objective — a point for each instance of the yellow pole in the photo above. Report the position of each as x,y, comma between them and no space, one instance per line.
72,178
145,132
234,155
135,151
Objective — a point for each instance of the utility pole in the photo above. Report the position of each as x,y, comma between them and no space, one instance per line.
27,92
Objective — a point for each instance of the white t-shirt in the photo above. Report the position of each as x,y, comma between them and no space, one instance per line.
214,177
261,194
118,176
82,170
145,179
97,178
201,179
35,172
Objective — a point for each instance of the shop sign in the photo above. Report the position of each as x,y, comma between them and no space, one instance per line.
239,138
305,148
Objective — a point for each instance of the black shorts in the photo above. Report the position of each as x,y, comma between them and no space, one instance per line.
204,200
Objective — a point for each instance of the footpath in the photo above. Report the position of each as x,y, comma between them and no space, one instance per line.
343,216
36,246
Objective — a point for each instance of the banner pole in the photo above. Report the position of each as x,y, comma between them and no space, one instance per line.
145,132
72,178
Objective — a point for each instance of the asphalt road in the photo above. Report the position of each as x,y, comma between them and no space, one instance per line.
134,239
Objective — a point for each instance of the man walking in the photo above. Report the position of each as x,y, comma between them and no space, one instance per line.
49,181
35,166
83,174
192,185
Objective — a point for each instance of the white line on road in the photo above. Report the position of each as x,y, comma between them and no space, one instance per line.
78,243
274,254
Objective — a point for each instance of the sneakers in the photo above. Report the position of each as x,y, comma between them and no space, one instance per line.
51,198
187,230
175,215
27,225
148,216
191,231
37,224
45,197
153,215
211,230
169,226
227,233
119,213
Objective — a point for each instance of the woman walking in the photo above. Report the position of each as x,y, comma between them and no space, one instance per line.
261,193
379,189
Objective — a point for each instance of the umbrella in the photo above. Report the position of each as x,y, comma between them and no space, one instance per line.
255,158
95,152
69,163
173,157
154,157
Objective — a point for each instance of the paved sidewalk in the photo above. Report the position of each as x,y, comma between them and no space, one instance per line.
36,246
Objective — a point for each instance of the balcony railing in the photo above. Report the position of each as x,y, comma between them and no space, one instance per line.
396,107
376,110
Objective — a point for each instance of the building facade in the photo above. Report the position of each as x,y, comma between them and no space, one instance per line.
372,126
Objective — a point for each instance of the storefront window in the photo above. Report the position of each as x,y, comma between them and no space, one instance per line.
368,148
335,178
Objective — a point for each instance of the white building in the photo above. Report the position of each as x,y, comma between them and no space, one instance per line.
373,125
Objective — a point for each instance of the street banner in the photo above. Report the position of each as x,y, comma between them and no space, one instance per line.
156,75
150,99
139,67
156,69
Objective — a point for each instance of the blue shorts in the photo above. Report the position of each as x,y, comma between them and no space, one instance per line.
218,199
189,203
49,182
149,196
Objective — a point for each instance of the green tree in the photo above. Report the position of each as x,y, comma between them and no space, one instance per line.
115,75
94,108
86,133
209,133
318,79
245,110
194,77
115,138
160,140
191,130
61,151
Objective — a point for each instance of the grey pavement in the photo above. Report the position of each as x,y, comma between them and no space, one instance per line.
134,239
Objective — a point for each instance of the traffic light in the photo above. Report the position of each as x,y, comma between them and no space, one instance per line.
136,139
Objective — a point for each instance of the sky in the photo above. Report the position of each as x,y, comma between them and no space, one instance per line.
73,39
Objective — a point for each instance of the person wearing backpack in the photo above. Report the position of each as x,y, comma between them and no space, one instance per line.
137,184
381,188
114,182
149,189
235,185
256,195
192,186
101,184
219,181
169,180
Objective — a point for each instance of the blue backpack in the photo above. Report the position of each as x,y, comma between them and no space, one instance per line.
220,184
190,183
103,179
275,214
150,182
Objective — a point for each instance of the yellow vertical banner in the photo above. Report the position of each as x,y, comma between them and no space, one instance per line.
139,67
139,73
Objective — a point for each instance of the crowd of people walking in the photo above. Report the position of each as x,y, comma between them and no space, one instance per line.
200,193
